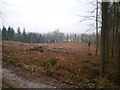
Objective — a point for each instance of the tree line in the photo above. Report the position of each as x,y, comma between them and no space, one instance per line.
110,40
107,18
9,34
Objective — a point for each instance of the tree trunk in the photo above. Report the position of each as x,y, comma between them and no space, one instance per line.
104,37
96,28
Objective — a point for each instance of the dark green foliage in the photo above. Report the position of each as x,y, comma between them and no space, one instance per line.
18,35
83,81
24,36
53,62
10,33
43,64
55,36
4,33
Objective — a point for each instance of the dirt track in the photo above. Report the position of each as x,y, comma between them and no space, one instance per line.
15,81
15,77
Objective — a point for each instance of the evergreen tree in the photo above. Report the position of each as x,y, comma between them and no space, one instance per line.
24,36
18,34
4,33
10,33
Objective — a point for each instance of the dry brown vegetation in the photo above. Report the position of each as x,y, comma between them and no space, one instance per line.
67,62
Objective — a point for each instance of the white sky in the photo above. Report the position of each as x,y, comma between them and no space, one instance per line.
46,15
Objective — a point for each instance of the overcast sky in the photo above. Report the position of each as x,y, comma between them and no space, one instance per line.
46,15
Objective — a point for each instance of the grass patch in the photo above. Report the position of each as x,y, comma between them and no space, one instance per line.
70,75
39,60
43,64
83,81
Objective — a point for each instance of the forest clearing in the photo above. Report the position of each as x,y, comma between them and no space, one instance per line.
61,44
69,63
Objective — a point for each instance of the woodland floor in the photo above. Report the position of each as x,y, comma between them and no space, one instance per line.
62,64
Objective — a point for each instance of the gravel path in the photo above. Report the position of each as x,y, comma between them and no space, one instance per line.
15,81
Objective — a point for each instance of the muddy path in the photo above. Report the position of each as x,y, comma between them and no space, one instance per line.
17,78
15,81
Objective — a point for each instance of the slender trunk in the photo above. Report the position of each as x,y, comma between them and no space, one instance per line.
117,41
113,40
96,28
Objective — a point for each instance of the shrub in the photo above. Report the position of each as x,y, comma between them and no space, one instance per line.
53,62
